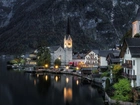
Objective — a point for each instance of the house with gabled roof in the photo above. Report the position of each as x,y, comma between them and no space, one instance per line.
98,58
130,53
113,57
131,60
91,59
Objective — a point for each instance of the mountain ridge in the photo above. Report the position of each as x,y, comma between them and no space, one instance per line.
94,23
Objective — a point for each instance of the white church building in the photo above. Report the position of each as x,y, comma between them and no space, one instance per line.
63,54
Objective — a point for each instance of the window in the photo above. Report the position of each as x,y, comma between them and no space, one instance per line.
133,72
133,62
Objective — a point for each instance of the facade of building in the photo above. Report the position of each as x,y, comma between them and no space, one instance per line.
131,60
92,59
130,54
63,54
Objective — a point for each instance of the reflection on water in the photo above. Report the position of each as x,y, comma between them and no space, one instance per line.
18,88
67,94
77,82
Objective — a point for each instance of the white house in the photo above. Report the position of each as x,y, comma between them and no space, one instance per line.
131,60
97,58
92,59
130,54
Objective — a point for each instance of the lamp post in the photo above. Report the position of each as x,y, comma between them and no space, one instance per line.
121,61
111,75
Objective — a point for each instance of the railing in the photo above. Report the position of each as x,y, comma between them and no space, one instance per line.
127,65
130,76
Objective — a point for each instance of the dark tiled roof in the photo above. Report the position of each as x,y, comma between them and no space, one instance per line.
135,51
79,56
134,46
53,48
115,60
104,53
96,51
133,42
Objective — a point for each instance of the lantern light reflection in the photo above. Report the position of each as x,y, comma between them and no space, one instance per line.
67,80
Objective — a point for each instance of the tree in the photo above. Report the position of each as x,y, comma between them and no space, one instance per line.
137,35
127,35
122,90
117,70
57,62
44,56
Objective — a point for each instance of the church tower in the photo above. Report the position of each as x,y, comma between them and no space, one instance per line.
136,25
68,45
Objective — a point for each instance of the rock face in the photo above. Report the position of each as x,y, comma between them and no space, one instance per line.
27,24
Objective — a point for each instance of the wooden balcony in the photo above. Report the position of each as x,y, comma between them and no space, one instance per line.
127,65
130,76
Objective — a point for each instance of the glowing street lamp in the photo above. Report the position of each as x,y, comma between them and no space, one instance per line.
46,65
56,66
77,68
67,67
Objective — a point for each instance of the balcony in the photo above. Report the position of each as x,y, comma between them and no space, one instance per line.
130,76
127,65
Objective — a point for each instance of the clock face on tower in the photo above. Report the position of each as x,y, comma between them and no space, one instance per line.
69,44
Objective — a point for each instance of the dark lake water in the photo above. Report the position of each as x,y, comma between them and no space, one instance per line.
18,88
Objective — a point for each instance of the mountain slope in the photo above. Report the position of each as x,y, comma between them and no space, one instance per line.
93,23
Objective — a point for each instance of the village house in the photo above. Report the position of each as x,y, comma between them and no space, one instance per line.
99,58
130,55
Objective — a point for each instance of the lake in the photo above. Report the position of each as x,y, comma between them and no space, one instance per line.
19,88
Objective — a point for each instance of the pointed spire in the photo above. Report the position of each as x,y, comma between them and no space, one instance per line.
65,37
68,27
138,15
69,37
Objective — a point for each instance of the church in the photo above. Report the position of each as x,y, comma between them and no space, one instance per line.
64,54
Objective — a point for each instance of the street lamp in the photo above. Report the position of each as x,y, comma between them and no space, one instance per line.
56,66
46,65
111,75
77,68
67,67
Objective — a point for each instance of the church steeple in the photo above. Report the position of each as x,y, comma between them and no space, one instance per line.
68,27
68,40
